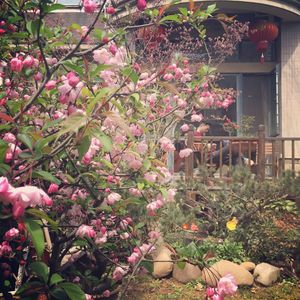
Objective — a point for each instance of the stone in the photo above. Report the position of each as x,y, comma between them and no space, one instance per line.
212,275
266,274
188,273
248,265
163,264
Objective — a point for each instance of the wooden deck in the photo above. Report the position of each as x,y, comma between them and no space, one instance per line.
266,157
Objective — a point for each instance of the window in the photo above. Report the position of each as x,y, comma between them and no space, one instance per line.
70,3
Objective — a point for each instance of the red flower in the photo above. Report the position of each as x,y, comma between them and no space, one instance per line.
141,5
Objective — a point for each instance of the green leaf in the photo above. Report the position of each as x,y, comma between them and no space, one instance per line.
73,291
42,215
46,176
36,232
55,278
26,140
4,168
28,286
98,33
75,26
183,11
171,18
106,142
3,149
84,146
40,269
72,66
32,26
101,94
129,72
98,69
211,9
53,123
148,265
181,265
50,8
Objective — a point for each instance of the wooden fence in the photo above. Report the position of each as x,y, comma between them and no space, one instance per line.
267,157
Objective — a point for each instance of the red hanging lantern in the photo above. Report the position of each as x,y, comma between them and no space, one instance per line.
262,33
151,36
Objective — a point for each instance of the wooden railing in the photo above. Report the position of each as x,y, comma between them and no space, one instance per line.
265,156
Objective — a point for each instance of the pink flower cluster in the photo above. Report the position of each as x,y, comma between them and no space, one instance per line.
89,6
119,273
166,144
173,72
160,201
13,150
226,287
86,231
22,197
5,249
138,252
185,152
71,88
94,147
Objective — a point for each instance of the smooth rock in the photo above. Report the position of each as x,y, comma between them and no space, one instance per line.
248,265
266,274
212,275
163,265
187,274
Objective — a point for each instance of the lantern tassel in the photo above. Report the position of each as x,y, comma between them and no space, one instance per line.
262,58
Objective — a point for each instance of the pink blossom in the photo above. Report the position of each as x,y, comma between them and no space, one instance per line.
101,240
150,176
106,294
86,231
170,195
9,137
28,62
73,80
227,285
185,152
110,10
168,77
164,176
185,128
133,258
113,49
119,272
141,5
142,147
38,76
196,118
135,192
166,144
5,249
50,85
88,297
136,130
113,198
53,188
154,235
11,234
135,164
210,292
101,56
16,64
89,6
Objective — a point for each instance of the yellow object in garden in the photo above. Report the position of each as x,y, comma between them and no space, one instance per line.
231,225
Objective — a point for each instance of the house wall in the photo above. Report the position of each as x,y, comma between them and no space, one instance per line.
290,83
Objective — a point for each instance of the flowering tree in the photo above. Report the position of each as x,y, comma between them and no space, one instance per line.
83,128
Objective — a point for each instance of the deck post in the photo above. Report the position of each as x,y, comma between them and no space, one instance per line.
261,152
189,161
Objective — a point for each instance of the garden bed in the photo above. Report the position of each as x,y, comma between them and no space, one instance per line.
147,288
